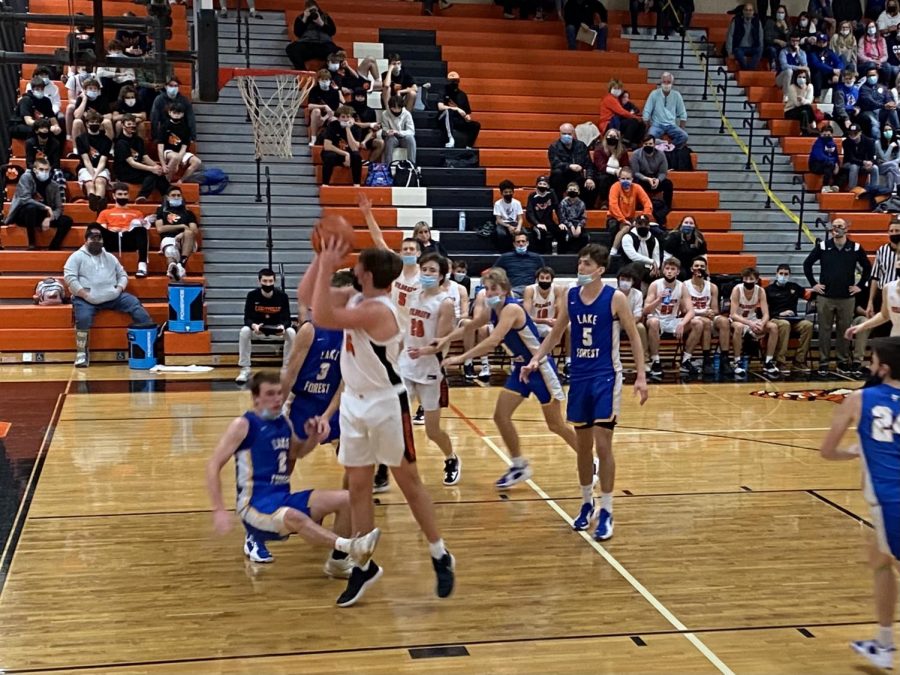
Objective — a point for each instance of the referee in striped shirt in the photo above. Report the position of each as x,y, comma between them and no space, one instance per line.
884,270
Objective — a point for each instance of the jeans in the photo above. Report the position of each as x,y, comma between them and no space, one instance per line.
830,309
891,171
245,347
599,43
873,120
678,136
84,311
747,57
853,175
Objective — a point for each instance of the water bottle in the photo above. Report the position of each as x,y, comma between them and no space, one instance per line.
744,362
462,221
716,362
554,246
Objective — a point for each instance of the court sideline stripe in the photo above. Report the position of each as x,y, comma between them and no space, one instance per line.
12,541
607,556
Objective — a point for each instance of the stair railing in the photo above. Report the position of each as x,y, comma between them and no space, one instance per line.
683,40
748,123
239,49
705,58
801,200
825,225
723,89
770,160
245,50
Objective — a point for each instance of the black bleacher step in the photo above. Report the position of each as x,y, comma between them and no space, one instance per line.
425,119
436,156
405,36
438,176
448,219
470,242
413,52
466,197
428,138
424,70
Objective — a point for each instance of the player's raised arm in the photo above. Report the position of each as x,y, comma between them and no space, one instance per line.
228,444
365,205
844,417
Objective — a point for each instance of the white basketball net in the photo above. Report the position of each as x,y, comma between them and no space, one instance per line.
272,115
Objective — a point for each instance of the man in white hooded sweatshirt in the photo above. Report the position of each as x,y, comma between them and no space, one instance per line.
97,280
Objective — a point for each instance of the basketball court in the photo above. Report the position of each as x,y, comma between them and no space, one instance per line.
737,549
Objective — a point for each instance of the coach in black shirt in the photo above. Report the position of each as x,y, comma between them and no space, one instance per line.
839,258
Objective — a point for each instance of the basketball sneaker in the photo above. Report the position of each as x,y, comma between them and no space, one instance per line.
419,417
583,521
468,372
256,550
880,657
452,470
339,569
485,374
513,476
382,482
243,376
445,569
771,369
362,548
360,580
688,369
656,371
738,369
709,368
604,529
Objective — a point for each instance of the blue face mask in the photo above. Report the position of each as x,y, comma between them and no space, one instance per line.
521,249
428,282
566,138
585,279
494,301
176,202
409,259
687,229
267,414
171,92
872,79
625,184
781,279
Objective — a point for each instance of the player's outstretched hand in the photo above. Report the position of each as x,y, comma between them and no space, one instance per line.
433,348
333,253
526,370
365,204
452,361
317,427
850,333
222,522
640,388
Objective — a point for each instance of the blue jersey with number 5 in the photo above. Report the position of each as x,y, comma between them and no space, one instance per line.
320,373
879,435
594,336
261,460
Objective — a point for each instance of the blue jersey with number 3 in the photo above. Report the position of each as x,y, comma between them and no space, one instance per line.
879,435
594,336
261,460
320,373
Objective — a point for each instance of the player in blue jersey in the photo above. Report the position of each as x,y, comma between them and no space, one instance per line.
516,331
260,442
876,412
597,314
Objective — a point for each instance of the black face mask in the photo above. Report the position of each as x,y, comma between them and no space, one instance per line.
612,141
572,193
94,247
544,285
749,285
649,149
643,231
507,198
267,289
453,87
94,128
895,238
701,273
358,106
121,201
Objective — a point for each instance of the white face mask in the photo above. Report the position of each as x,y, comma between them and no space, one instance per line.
667,88
325,85
333,67
845,32
616,92
624,285
346,125
801,81
804,23
871,31
780,16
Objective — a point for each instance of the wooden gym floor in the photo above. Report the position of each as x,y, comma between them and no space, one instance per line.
737,549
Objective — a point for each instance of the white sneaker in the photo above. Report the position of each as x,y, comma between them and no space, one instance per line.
485,374
362,548
170,271
179,272
339,569
243,376
255,15
223,13
450,144
739,370
880,657
141,270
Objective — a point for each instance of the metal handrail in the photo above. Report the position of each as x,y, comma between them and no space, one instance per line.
801,200
770,159
748,123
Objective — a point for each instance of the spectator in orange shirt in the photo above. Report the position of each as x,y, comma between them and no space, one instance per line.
124,228
627,201
614,115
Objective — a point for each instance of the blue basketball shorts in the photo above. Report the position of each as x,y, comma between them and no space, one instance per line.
304,408
264,517
594,401
543,383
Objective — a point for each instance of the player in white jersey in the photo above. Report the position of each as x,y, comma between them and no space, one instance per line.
667,310
750,316
430,318
374,409
704,296
460,297
890,311
541,300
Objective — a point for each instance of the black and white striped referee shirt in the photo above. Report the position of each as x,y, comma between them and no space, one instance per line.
884,271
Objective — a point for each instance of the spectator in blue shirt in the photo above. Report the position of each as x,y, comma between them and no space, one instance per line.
824,160
877,104
826,66
845,99
790,58
665,113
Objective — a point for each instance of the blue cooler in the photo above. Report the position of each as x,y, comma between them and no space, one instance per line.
186,308
141,341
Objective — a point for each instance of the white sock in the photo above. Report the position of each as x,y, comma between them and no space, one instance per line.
519,462
886,636
686,357
485,362
467,362
655,358
342,544
606,501
437,549
768,359
587,494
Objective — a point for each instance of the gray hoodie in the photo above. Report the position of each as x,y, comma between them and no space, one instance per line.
99,275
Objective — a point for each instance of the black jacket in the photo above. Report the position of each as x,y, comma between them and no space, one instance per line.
838,267
677,247
561,157
577,12
272,311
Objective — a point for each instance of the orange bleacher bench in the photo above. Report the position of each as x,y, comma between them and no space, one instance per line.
30,262
148,288
17,237
60,316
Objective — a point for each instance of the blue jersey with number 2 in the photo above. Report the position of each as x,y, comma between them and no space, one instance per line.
879,435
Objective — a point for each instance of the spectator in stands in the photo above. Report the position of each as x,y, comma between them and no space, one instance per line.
267,316
872,49
540,217
843,43
744,41
92,98
650,168
37,203
422,232
396,82
360,104
341,147
807,28
173,143
877,105
824,159
665,112
845,100
859,153
169,95
520,265
398,129
765,8
97,281
33,106
686,242
889,20
825,66
609,156
668,311
366,122
891,67
570,161
508,217
178,230
74,82
124,228
458,129
626,201
635,7
45,145
323,101
887,154
314,31
113,78
461,275
135,42
638,246
346,77
839,259
133,165
614,116
51,92
790,60
798,103
823,13
591,13
95,154
127,103
628,280
783,296
750,318
572,217
776,33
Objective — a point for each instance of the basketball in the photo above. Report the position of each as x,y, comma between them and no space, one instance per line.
332,227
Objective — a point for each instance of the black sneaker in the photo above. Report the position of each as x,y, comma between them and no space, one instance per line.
419,417
359,581
444,569
688,369
468,372
709,368
452,470
822,371
770,368
845,368
656,371
382,482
